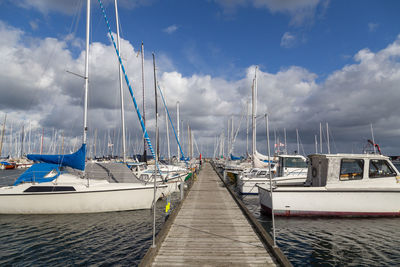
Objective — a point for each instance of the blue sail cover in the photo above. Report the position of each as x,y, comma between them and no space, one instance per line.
75,160
235,158
37,173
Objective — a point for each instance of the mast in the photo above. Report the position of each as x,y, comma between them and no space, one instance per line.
247,128
144,114
316,144
85,107
270,182
41,145
62,143
254,113
320,138
373,138
232,135
156,106
2,134
188,136
327,137
284,133
121,88
298,144
177,121
22,141
166,123
95,141
156,154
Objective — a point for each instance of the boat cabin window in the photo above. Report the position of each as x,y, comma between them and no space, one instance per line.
294,163
380,168
41,189
262,173
351,169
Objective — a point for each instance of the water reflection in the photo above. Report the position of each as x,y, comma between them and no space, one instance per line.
77,239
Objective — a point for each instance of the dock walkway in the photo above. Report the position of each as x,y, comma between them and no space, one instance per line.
211,230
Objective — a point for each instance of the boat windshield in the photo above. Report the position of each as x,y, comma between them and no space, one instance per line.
380,168
295,163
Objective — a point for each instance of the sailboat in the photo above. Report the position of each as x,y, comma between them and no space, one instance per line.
59,184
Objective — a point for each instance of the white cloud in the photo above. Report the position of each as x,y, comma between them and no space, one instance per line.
36,88
288,40
171,29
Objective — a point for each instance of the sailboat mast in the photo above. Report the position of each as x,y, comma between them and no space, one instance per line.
156,106
2,134
327,138
41,145
85,107
253,114
166,123
22,141
177,121
247,128
121,88
144,113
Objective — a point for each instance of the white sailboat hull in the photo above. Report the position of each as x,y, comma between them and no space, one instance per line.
98,198
321,201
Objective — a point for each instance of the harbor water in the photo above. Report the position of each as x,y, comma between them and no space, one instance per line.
122,238
100,239
333,241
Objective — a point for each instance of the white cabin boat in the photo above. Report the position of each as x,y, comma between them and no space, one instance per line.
339,185
171,176
291,170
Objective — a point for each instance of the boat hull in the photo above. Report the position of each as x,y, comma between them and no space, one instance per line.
106,200
331,203
248,186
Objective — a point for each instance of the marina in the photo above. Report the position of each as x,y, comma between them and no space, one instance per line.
250,133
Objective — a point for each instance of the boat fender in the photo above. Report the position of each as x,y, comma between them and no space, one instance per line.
314,172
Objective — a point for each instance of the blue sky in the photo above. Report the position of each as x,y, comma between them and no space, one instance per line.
308,51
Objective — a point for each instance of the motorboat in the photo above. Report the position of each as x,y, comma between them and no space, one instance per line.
338,185
290,170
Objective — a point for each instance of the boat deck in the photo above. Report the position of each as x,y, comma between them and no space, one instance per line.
210,229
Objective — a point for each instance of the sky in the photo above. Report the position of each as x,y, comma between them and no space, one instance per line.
319,62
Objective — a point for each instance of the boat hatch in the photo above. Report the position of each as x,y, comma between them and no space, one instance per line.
41,189
351,169
380,168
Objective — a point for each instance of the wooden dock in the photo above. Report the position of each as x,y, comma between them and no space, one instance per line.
210,230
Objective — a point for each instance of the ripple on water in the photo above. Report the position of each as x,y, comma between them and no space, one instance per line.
78,239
